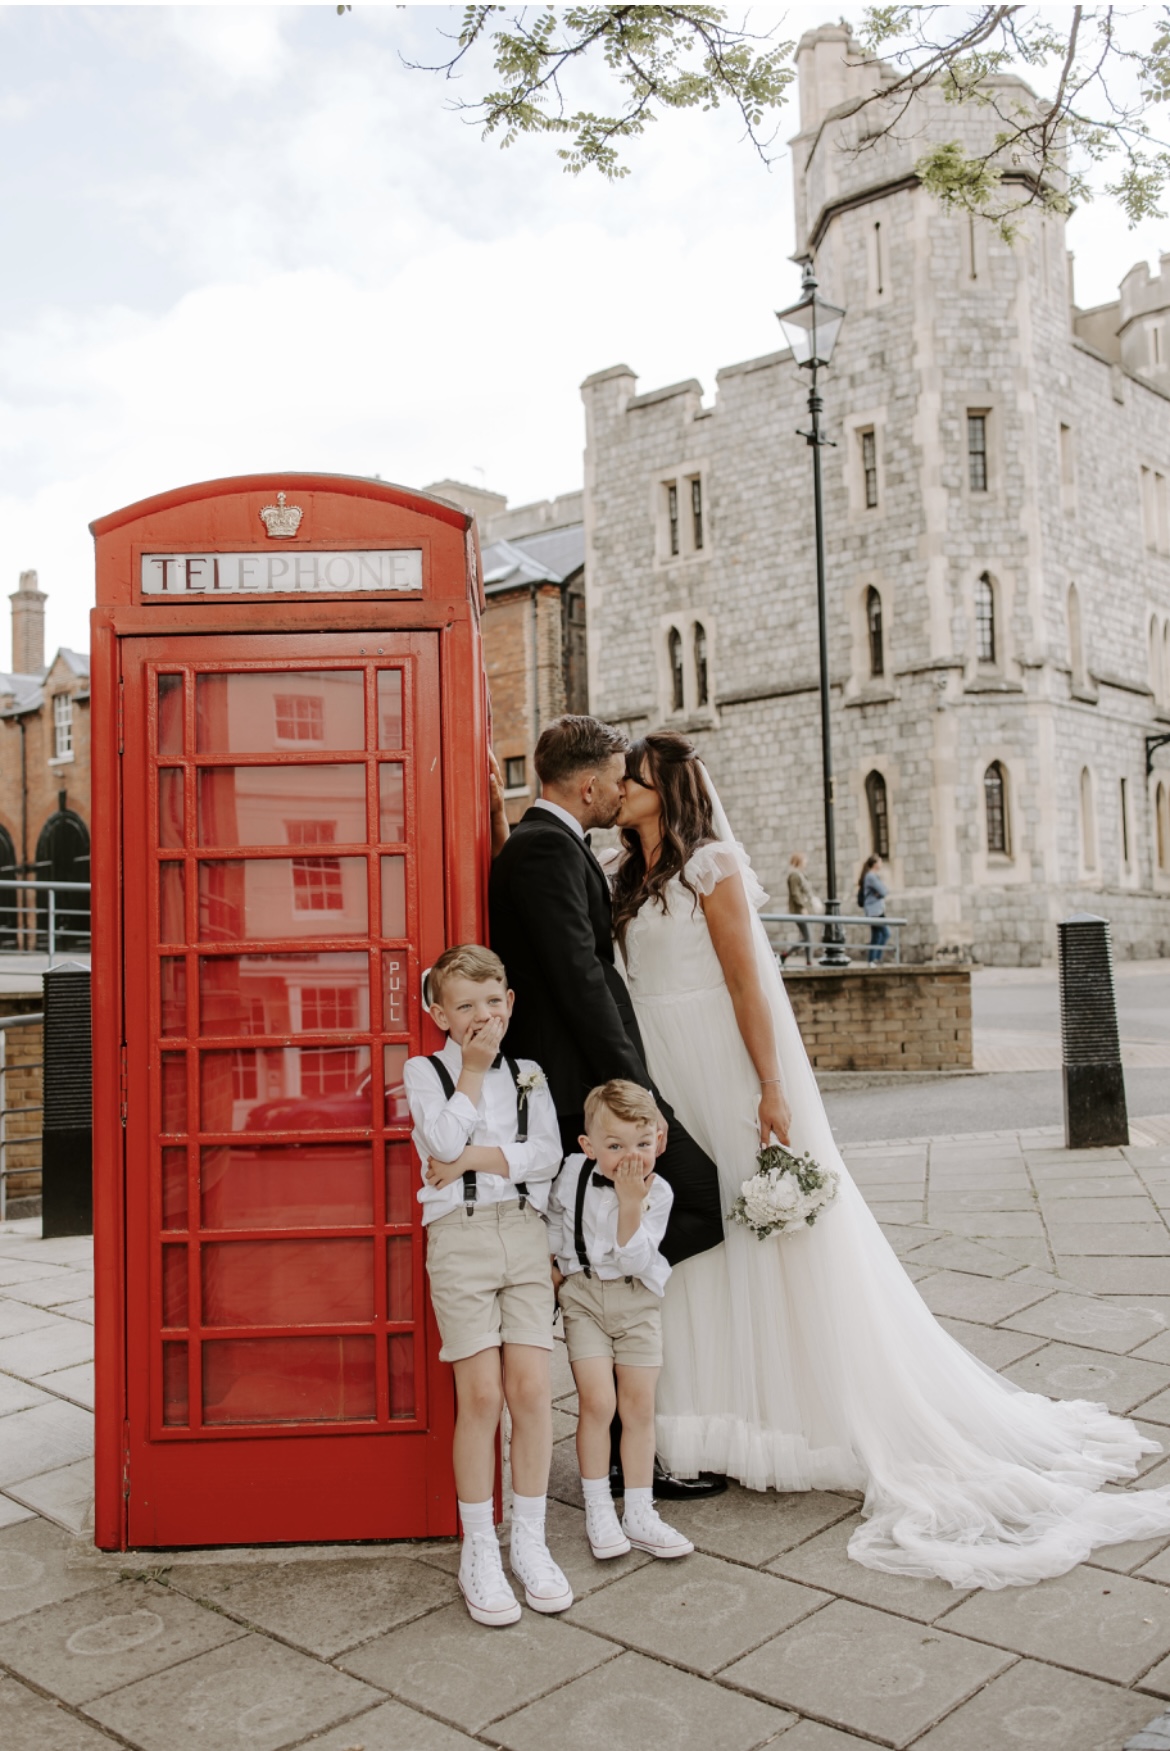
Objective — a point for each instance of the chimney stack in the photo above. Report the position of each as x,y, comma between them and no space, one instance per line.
28,626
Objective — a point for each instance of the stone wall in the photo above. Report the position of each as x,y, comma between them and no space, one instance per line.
884,1018
22,1086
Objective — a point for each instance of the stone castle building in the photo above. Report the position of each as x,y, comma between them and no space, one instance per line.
998,542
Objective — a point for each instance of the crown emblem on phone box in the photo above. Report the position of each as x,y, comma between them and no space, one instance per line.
281,520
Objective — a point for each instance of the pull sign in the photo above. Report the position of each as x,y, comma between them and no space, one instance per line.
387,570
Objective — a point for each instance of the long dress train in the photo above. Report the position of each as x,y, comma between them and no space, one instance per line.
811,1361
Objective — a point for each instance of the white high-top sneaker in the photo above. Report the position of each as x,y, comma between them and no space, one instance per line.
603,1530
647,1531
483,1583
545,1587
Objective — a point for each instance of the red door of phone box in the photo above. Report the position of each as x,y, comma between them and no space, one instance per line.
289,723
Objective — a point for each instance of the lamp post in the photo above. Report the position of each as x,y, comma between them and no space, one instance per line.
811,327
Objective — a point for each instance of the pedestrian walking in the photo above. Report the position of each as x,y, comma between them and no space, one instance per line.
871,897
800,899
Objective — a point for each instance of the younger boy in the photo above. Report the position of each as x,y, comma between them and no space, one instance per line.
607,1215
486,1129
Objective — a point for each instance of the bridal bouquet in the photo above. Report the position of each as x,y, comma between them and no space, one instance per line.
786,1191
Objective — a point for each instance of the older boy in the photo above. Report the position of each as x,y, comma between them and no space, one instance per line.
486,1130
607,1214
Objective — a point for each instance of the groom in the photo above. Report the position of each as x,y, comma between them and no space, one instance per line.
550,924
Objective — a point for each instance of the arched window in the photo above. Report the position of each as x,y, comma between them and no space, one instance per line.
674,646
985,619
8,896
873,623
879,814
1088,821
1162,825
63,856
995,807
1076,649
701,688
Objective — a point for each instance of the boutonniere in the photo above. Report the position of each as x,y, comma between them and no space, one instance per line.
528,1080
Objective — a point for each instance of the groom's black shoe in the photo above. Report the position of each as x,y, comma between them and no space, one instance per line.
685,1489
674,1489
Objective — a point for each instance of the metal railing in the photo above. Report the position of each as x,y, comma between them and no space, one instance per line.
7,1112
48,924
861,922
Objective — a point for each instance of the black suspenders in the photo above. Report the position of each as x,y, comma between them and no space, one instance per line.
470,1190
583,1178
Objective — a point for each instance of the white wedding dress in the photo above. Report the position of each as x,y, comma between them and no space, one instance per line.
810,1361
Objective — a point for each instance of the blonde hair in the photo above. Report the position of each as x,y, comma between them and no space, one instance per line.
467,960
625,1100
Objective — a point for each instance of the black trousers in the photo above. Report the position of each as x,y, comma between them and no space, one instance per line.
696,1216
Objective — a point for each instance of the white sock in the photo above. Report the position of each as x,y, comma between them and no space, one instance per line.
596,1489
531,1510
477,1517
639,1502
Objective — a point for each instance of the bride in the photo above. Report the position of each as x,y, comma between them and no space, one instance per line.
811,1361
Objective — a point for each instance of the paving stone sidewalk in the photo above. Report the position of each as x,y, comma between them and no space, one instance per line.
1052,1267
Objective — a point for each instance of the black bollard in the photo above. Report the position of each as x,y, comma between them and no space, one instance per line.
1094,1084
67,1136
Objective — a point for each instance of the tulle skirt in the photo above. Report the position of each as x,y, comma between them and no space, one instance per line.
810,1361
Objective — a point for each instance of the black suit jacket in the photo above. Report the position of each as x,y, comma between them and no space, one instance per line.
549,910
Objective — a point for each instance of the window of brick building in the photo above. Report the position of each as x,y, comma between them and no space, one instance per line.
995,807
879,814
977,452
316,880
300,717
516,772
63,726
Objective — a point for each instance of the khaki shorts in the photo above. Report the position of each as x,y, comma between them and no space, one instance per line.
490,1279
621,1319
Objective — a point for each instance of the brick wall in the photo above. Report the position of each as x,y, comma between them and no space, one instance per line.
888,1018
21,1086
509,635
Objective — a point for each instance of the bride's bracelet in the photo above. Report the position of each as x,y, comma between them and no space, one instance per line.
772,1082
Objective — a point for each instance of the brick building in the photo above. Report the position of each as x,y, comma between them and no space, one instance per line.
534,624
998,536
44,768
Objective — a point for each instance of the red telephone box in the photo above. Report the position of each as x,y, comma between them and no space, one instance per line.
290,723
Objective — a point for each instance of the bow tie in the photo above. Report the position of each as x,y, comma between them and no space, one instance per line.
599,1179
588,838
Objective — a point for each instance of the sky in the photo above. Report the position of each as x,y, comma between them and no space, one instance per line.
238,239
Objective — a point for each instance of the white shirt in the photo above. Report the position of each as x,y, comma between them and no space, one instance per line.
638,1258
561,814
444,1128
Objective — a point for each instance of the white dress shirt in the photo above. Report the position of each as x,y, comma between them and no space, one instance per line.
638,1258
444,1128
561,814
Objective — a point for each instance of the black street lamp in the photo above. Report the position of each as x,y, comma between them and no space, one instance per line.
811,328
